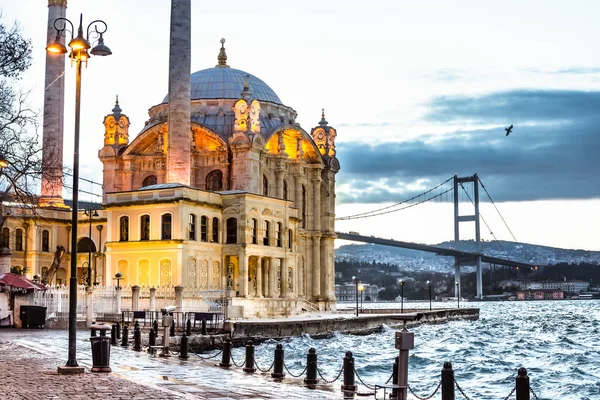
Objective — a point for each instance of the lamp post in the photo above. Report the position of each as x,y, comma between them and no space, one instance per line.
402,295
118,277
361,289
79,46
429,284
458,294
356,282
89,268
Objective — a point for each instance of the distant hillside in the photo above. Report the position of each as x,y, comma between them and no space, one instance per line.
419,260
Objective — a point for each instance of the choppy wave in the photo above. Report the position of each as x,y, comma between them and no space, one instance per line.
557,341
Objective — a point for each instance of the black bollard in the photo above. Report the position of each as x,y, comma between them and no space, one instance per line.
204,327
349,385
118,330
93,330
172,329
522,385
249,364
125,338
113,335
137,337
311,368
447,381
278,363
394,394
226,354
151,341
155,326
188,327
183,347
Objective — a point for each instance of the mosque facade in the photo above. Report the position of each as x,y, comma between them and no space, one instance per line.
222,190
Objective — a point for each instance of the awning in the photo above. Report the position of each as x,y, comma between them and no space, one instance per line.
19,282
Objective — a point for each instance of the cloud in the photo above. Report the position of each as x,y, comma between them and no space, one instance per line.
566,71
552,153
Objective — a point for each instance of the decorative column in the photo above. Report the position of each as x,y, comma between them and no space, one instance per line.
267,276
259,280
316,270
179,137
54,110
135,298
179,298
283,276
243,278
279,182
152,299
316,209
298,194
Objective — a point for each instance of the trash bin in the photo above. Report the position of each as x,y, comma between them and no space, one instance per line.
100,348
33,316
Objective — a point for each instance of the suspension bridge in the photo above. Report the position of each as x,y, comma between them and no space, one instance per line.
452,187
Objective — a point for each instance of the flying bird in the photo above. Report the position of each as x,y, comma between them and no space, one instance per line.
508,130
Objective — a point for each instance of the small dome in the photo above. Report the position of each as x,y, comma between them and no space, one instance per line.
228,83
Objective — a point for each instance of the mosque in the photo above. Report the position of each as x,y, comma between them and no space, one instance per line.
221,190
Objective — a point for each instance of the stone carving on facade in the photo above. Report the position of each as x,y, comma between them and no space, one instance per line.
255,116
216,275
144,273
165,273
290,279
241,115
192,272
230,275
278,274
204,274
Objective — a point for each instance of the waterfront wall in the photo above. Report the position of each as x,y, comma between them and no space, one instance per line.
365,323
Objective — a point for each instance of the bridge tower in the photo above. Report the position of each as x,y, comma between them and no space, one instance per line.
468,218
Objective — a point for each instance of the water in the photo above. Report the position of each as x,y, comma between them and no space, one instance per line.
557,341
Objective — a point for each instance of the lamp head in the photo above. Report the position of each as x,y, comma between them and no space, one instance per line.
3,162
428,283
56,47
118,275
101,49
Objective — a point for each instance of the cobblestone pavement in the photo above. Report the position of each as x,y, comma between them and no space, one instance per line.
29,361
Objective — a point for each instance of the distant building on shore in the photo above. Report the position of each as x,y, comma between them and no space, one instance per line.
574,286
348,291
540,294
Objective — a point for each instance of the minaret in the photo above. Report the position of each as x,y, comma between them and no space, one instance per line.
179,136
54,107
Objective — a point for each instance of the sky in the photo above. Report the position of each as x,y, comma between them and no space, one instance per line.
417,90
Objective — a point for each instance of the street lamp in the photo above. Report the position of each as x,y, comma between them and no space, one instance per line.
89,269
402,295
356,282
457,294
361,289
79,54
3,163
429,284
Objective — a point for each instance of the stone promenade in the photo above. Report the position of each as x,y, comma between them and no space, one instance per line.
29,361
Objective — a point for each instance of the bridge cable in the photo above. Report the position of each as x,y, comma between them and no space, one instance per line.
359,216
366,214
503,220
485,222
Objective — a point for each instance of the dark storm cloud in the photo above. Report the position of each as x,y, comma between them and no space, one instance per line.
552,153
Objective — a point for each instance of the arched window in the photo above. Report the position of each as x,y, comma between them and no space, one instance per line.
124,229
278,234
215,230
45,240
204,228
267,233
145,227
303,206
254,231
192,227
19,240
214,180
4,238
265,185
231,230
285,190
150,180
290,239
165,223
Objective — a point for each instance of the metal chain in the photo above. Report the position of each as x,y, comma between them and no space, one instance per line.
264,370
426,397
533,393
289,372
361,381
511,393
461,391
204,358
174,353
391,376
336,378
236,364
